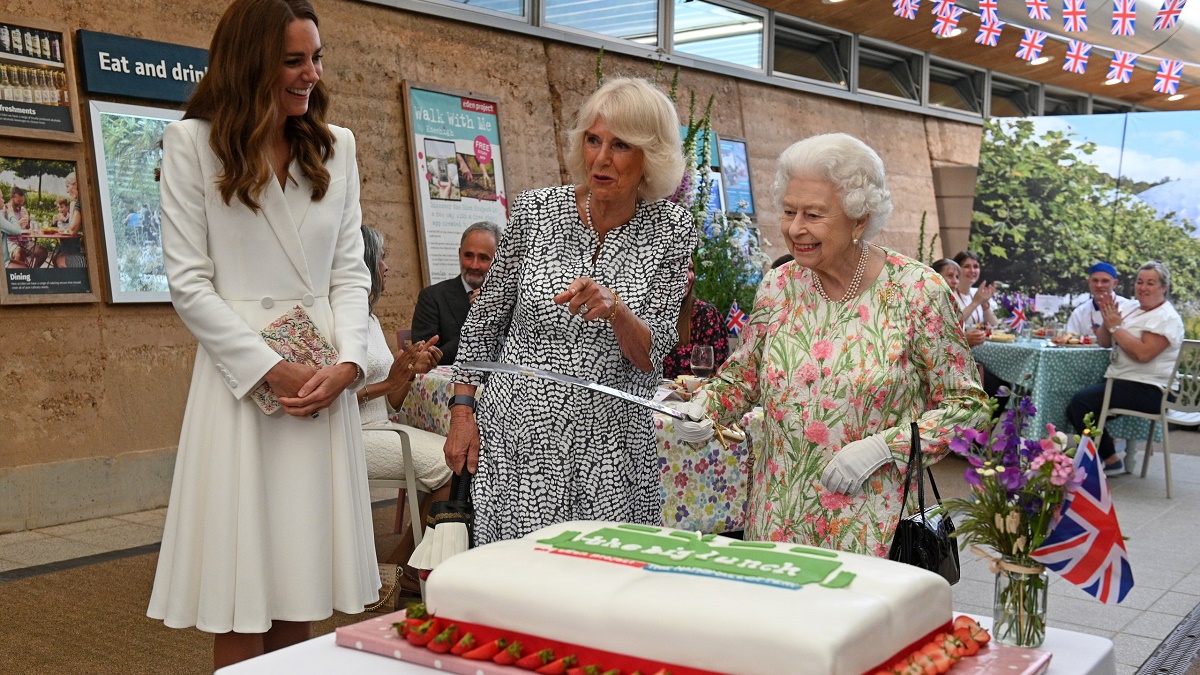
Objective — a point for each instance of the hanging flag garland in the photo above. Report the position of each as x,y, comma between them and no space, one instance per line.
906,9
944,8
1121,68
1167,79
989,33
1124,16
1031,45
1074,16
1167,15
945,25
1077,56
1038,9
989,12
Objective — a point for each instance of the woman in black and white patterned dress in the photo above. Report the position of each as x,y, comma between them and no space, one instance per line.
587,281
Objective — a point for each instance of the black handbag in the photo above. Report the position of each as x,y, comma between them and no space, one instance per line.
925,539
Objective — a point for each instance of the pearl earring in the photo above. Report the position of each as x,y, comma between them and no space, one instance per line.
856,241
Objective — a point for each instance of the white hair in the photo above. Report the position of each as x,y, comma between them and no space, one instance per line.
850,165
640,114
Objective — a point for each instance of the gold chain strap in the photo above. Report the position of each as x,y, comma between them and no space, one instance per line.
388,596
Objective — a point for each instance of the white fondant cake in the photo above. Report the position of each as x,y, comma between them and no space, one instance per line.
691,601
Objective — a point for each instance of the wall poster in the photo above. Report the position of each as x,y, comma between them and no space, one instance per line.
126,140
457,170
37,81
46,229
735,169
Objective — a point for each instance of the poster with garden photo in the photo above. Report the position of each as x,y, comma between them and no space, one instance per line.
458,173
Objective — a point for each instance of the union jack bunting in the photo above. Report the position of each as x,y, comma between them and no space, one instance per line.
1167,79
1031,45
1124,16
1038,9
943,8
1077,56
1121,68
1086,547
1167,15
989,33
906,9
945,25
1074,16
1016,320
736,320
987,11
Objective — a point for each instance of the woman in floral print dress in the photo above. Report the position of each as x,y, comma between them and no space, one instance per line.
846,346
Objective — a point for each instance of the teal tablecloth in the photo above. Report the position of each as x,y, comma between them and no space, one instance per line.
1052,375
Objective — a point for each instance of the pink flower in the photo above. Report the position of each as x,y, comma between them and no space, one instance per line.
835,500
817,433
823,349
864,313
808,373
828,404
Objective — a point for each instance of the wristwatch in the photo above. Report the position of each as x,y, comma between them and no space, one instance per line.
462,399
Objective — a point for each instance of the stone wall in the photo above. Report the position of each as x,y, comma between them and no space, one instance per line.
93,395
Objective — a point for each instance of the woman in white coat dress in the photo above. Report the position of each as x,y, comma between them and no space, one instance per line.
269,525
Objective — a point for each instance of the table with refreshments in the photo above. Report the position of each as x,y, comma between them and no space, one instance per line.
704,485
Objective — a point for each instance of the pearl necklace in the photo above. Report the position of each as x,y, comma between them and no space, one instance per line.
853,288
587,211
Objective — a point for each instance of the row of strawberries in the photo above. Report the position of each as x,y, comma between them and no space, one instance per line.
943,651
423,630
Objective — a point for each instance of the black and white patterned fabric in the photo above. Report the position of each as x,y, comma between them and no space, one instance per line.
551,452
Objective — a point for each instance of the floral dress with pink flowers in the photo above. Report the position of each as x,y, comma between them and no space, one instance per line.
830,373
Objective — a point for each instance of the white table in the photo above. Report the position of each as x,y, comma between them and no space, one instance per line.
1074,654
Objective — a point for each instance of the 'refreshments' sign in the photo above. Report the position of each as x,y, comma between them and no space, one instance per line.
126,66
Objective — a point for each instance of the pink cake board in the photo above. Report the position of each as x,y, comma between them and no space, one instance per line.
378,637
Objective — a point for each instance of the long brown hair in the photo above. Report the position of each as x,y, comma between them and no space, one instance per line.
238,98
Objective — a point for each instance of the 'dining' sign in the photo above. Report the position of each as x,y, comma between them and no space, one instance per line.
137,68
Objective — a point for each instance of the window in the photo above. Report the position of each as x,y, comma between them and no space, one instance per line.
956,88
714,32
892,73
635,20
1105,107
1012,98
514,7
812,53
1062,103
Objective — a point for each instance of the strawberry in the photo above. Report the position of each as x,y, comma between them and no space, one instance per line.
584,670
510,654
444,640
416,615
486,652
964,621
401,627
558,667
464,644
535,660
423,634
614,671
970,646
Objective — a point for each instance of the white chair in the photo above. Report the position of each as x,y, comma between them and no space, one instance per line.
1183,411
410,485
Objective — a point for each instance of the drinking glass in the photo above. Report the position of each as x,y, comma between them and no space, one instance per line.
702,360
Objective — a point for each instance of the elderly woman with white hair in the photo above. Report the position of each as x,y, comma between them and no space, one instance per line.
587,281
846,346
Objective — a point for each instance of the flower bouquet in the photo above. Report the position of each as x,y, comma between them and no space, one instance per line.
1018,490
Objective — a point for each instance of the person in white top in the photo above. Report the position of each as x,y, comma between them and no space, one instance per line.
1102,280
952,273
1145,334
976,303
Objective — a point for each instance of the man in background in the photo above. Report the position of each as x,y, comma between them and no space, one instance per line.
1102,281
442,308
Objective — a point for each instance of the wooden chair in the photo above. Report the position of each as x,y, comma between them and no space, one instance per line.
410,486
1183,411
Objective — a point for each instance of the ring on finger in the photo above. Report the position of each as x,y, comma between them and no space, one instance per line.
583,309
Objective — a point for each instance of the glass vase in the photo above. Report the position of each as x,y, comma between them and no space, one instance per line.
1019,606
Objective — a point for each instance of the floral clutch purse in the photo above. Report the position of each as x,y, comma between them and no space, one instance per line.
296,338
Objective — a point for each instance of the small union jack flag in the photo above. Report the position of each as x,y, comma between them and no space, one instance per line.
1086,547
1124,16
1038,9
943,8
987,11
1168,14
1121,68
1074,15
1167,79
1077,56
736,320
906,9
989,33
1031,45
945,25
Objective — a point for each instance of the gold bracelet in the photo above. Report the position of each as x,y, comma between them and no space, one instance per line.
366,395
616,306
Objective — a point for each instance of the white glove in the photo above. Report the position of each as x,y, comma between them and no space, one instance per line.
855,463
697,429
